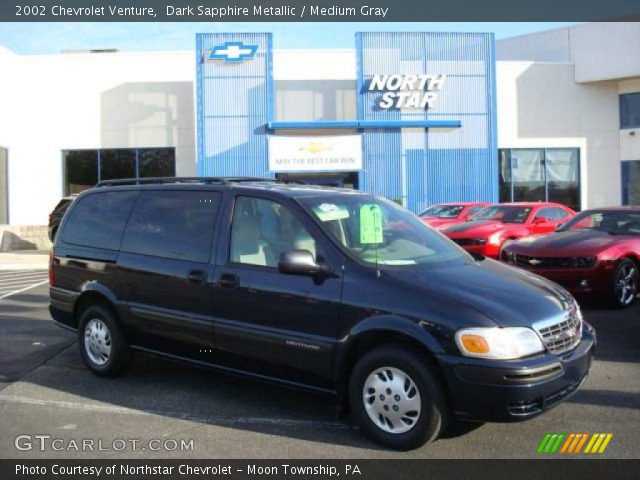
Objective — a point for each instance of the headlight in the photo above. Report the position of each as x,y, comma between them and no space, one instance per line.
498,343
495,239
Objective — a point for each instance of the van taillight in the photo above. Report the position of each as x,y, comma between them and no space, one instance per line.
51,275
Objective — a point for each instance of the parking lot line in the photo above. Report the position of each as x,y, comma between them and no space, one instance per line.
20,290
19,274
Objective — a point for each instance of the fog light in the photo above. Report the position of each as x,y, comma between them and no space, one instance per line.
584,283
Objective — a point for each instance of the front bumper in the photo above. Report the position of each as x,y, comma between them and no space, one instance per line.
578,281
515,390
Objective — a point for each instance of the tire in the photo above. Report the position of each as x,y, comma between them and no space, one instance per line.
385,369
102,343
624,283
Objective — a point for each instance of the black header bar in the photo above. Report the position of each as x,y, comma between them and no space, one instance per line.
317,10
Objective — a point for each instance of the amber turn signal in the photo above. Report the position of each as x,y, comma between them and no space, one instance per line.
474,343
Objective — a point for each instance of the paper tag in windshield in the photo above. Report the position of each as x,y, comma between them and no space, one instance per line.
328,211
370,224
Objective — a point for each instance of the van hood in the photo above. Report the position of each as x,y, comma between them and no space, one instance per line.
505,295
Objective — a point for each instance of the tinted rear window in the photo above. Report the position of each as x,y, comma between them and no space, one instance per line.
98,220
176,224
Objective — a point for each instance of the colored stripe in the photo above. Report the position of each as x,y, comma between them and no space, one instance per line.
557,444
567,443
594,437
543,443
605,443
575,442
584,439
599,441
547,449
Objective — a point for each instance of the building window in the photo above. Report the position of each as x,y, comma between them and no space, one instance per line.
631,182
630,110
84,168
540,175
4,187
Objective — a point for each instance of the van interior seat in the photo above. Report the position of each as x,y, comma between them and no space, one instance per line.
247,245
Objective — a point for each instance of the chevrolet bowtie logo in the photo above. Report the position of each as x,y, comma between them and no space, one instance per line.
315,147
233,52
535,261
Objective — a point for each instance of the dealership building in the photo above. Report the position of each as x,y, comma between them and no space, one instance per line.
416,117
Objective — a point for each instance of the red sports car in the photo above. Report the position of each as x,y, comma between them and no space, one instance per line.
443,214
488,229
597,253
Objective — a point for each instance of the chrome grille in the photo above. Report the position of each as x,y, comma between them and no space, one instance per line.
552,262
562,335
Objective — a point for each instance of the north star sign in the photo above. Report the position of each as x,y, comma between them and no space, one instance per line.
407,91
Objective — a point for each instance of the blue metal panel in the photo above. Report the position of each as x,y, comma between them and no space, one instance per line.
436,165
234,103
361,124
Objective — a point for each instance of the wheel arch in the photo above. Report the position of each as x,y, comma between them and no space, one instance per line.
93,293
378,331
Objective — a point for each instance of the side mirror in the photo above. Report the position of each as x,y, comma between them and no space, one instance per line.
539,220
300,262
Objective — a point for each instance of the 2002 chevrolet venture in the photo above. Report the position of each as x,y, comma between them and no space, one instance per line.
331,290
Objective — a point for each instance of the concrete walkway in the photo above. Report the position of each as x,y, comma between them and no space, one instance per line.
24,260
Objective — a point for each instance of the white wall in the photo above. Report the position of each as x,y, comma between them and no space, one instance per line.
600,51
547,46
54,102
540,105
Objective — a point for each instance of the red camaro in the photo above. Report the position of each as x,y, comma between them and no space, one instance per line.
488,229
597,253
443,214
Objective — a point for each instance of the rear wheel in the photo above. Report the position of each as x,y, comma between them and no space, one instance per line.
103,346
396,398
625,283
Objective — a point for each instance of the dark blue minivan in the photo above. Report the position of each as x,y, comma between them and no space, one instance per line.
332,290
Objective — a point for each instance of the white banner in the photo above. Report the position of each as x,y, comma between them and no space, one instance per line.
340,153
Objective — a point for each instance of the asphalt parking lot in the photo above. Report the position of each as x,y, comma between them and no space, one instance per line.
45,389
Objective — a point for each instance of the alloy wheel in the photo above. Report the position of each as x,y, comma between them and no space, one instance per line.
626,284
97,341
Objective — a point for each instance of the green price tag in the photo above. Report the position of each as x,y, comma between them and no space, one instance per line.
370,224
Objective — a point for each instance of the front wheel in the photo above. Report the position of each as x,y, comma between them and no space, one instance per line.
396,398
625,283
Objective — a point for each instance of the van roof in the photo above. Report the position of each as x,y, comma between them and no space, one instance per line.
287,188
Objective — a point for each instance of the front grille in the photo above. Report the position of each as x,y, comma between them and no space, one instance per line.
564,335
531,407
553,262
465,242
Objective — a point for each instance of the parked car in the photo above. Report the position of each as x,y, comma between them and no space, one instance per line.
443,214
487,230
306,286
597,253
55,217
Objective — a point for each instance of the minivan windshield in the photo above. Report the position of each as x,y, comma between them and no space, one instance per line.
378,231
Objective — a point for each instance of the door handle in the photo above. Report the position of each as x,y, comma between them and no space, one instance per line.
196,276
228,280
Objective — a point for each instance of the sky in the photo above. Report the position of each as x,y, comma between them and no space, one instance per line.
42,38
